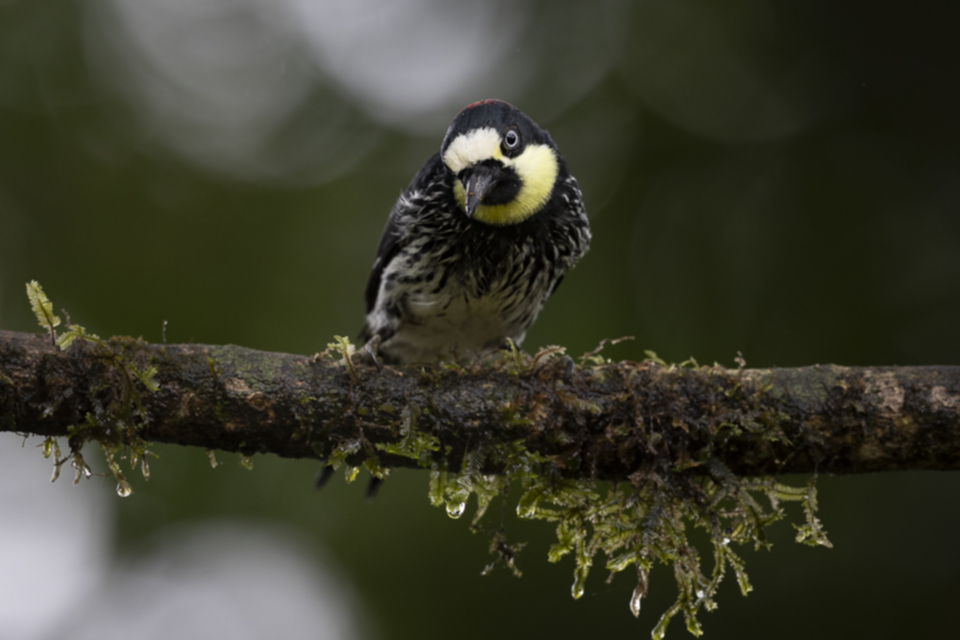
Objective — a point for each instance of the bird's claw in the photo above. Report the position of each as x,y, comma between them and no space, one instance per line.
368,353
373,487
323,477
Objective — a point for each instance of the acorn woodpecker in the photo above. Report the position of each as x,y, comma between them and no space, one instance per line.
477,242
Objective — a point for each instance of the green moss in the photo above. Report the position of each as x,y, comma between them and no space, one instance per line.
343,346
414,444
119,413
632,525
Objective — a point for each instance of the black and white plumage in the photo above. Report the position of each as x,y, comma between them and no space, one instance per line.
477,242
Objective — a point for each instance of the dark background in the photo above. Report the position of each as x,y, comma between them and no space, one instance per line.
780,179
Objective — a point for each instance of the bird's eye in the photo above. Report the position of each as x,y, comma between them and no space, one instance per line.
511,140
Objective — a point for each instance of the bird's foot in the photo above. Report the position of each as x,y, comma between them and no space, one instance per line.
374,487
368,353
323,477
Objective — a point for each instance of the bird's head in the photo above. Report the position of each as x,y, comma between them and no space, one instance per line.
506,167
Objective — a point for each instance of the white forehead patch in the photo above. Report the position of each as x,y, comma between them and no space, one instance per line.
472,147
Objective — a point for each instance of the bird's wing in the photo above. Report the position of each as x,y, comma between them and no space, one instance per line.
391,241
389,246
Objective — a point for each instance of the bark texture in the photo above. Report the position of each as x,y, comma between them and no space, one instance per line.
608,420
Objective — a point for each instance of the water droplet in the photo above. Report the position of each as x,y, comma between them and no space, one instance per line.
145,468
124,489
213,458
661,629
700,593
579,581
82,471
456,509
246,462
635,601
526,511
639,592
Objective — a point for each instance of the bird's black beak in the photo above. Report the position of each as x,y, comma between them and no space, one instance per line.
477,182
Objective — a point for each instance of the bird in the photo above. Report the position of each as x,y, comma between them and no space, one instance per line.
478,241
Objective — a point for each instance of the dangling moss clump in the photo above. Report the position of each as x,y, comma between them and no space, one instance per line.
118,410
635,523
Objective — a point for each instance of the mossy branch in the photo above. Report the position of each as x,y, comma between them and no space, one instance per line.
682,445
606,420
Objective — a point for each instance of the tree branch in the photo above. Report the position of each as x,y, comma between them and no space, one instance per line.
602,420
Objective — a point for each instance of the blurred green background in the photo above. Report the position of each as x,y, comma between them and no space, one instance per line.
780,179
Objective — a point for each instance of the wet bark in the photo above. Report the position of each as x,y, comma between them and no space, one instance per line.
606,420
